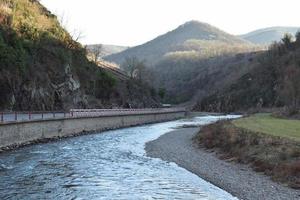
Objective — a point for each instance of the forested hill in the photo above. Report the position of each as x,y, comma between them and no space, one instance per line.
188,37
43,68
273,81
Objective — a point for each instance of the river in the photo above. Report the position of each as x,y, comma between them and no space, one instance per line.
109,165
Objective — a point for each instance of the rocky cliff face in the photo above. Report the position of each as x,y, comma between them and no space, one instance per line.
41,91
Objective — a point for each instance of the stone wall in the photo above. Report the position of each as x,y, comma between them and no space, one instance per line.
16,134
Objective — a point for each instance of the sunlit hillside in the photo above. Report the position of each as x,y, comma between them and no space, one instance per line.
191,36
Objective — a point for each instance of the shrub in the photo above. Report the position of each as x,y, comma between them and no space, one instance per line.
105,83
277,157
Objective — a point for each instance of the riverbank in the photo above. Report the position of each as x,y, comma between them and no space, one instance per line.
268,144
240,180
18,134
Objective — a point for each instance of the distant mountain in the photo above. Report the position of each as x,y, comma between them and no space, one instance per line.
268,35
108,49
187,37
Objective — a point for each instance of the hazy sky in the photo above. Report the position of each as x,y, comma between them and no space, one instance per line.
133,22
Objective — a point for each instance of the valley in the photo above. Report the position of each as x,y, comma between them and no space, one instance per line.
216,114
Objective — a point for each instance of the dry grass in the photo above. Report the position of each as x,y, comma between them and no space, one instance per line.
25,10
4,8
265,123
277,157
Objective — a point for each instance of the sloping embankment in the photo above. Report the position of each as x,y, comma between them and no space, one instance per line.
276,156
15,134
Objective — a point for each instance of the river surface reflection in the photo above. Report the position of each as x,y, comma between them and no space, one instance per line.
110,165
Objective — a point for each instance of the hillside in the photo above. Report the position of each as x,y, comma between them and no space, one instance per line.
107,49
190,38
268,35
190,80
273,81
43,68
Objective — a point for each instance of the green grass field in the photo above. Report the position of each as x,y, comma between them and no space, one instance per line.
265,123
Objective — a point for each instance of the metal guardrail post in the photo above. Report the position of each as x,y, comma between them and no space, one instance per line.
42,115
29,115
16,116
53,114
2,117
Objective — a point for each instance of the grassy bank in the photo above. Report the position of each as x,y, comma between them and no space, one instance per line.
266,123
270,145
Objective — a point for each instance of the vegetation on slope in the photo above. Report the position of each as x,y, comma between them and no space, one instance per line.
181,61
190,36
194,49
273,81
241,140
188,79
43,68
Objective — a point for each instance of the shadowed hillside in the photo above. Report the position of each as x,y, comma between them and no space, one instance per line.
273,81
190,80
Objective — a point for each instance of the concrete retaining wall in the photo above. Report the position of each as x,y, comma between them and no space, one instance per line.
20,133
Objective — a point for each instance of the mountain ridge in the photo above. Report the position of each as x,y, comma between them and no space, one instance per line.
153,50
107,49
266,36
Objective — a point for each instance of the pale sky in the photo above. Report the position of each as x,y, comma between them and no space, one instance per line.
133,22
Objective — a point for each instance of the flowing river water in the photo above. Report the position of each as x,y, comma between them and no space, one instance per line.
110,165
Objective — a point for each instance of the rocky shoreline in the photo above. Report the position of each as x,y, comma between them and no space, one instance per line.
240,180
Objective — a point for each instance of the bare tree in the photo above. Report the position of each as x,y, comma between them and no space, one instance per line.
77,35
96,52
297,36
63,20
291,87
130,66
287,40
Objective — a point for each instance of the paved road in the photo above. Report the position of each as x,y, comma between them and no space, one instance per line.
18,117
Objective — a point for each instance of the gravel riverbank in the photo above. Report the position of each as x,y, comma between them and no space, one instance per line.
240,180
